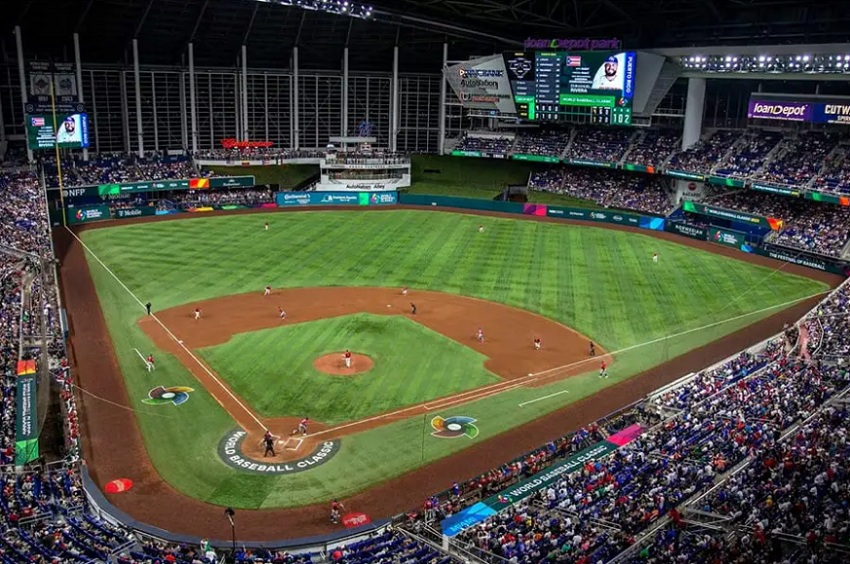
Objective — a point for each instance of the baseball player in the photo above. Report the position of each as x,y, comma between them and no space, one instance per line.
281,313
537,343
404,291
197,313
266,226
268,441
655,257
603,370
412,309
268,291
592,349
347,359
148,307
336,509
302,426
150,363
480,335
481,229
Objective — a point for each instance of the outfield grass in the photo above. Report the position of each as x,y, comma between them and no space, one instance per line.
599,281
273,369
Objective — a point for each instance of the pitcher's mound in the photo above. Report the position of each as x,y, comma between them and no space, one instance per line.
334,364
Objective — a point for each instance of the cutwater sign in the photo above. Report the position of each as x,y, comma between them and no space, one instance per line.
230,452
350,198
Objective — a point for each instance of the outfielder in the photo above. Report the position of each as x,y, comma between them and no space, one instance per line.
347,359
655,257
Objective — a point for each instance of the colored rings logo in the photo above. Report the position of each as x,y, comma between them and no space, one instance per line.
454,427
175,395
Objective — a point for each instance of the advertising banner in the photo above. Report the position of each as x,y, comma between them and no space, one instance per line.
831,113
685,175
103,190
726,181
536,158
797,257
781,110
633,167
775,189
585,162
734,239
604,216
26,430
482,510
482,84
88,214
134,212
687,230
732,215
286,199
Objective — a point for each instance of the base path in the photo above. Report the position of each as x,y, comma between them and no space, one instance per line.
155,502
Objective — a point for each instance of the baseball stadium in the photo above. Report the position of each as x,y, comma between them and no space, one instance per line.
424,282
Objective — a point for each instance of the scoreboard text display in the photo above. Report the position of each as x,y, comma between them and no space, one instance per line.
71,131
596,86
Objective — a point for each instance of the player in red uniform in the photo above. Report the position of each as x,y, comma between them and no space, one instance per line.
151,365
336,508
603,370
346,357
302,426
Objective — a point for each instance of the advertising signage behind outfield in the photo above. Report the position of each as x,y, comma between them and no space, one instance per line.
289,199
104,190
811,110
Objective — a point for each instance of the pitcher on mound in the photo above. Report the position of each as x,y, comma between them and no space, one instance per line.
347,358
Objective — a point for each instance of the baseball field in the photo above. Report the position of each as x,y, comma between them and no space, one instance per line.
422,387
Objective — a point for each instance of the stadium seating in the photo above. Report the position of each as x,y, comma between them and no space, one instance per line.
654,147
543,143
607,145
606,187
488,145
748,154
119,168
809,226
706,153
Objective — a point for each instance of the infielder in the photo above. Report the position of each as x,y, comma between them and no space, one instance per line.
302,426
404,291
268,291
480,335
281,313
197,313
347,359
537,344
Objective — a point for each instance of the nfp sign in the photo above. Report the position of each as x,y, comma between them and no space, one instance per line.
786,111
575,44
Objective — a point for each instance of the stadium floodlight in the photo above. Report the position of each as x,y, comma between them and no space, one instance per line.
767,63
337,7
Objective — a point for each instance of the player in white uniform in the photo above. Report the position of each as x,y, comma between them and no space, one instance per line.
480,335
268,291
197,313
654,257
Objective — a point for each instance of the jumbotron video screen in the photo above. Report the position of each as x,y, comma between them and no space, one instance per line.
564,86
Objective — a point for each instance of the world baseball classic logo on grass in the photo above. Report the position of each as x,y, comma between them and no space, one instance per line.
454,427
174,395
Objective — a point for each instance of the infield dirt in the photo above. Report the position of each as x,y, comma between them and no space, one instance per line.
113,445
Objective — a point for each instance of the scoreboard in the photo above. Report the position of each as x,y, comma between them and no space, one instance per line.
593,86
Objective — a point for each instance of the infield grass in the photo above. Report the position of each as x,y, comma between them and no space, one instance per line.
599,281
273,369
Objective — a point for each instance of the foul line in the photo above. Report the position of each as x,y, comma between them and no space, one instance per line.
147,364
170,334
544,397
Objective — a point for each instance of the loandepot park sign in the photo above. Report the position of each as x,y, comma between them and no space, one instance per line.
230,452
574,44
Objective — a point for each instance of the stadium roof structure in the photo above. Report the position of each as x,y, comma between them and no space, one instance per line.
270,28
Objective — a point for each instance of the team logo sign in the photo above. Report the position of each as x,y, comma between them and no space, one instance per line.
454,427
175,395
